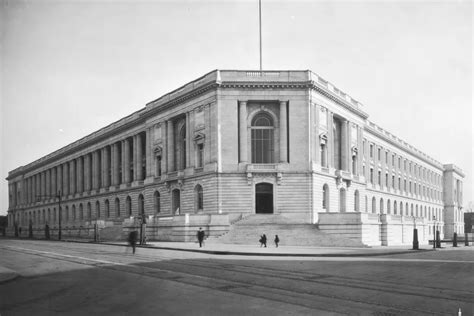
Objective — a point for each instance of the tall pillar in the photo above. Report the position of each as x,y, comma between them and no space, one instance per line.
87,172
48,183
59,179
170,149
330,143
65,179
114,161
243,131
188,141
42,185
106,167
148,153
72,177
126,161
283,133
164,148
344,142
137,146
80,174
95,170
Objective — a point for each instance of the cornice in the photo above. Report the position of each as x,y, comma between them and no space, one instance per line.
404,148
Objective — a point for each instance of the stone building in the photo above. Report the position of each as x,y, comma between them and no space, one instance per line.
235,143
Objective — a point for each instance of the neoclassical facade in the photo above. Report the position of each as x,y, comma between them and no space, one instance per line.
235,143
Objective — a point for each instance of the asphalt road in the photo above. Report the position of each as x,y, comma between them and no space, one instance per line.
90,279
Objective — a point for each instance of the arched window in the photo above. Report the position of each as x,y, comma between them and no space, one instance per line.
407,209
388,206
198,198
374,205
54,215
107,209
356,201
366,204
97,209
128,206
89,211
381,206
81,212
395,207
73,212
67,214
262,139
141,205
326,198
117,207
411,210
157,200
342,200
416,210
401,208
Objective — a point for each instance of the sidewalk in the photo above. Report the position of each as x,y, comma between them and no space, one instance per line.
284,251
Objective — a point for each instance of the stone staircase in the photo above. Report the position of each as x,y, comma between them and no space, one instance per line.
290,232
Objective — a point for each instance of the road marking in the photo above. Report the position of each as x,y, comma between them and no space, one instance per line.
68,256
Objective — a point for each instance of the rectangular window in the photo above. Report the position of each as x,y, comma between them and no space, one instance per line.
200,155
399,163
393,160
379,178
386,180
371,150
158,166
393,181
378,154
386,157
371,175
262,146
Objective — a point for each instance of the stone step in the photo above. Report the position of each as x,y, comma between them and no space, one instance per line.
290,232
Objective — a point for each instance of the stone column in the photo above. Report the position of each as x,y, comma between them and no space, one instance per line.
48,183
315,130
164,148
148,152
42,185
114,161
72,177
330,142
188,141
126,161
59,179
344,142
95,170
106,166
87,172
139,155
243,131
170,149
80,174
283,133
66,179
360,151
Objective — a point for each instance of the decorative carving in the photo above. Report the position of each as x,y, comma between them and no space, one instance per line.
323,138
158,150
199,137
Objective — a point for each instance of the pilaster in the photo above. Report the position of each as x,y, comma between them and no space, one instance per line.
243,131
283,133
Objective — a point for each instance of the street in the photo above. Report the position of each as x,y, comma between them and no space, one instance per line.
79,278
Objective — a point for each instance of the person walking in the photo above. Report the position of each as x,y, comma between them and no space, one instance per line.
277,240
263,241
200,236
132,240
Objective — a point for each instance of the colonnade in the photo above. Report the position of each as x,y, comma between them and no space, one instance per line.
119,163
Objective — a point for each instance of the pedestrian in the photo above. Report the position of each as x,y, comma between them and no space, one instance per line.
132,239
200,236
277,240
263,241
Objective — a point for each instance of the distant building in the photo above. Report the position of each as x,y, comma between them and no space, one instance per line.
235,143
469,222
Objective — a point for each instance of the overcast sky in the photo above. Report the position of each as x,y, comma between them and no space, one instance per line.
69,68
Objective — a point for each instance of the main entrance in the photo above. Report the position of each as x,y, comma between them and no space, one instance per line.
264,198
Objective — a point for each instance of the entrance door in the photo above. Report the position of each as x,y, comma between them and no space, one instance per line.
176,201
264,198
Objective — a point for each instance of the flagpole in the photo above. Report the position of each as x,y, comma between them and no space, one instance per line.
260,29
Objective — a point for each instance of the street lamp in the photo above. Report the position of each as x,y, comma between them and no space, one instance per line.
434,232
415,235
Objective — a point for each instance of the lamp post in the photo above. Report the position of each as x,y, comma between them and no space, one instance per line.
415,235
434,232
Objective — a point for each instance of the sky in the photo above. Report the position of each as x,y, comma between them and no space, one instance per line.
69,68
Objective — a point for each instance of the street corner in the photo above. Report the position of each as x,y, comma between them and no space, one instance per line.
7,274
